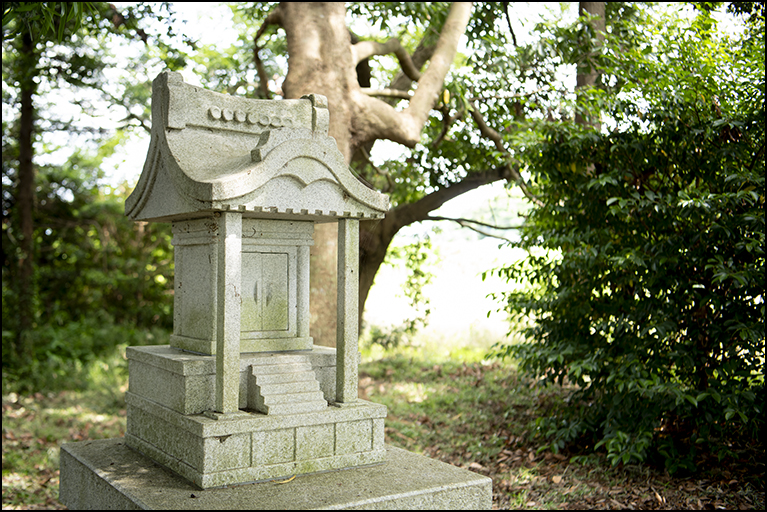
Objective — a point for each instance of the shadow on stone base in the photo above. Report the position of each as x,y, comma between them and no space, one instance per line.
107,474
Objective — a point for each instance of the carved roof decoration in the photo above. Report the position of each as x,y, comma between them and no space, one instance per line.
266,158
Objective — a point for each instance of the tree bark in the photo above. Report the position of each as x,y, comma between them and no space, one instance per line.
375,236
25,198
586,75
322,60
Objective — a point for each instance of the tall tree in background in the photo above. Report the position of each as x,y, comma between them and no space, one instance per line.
456,115
587,73
322,58
47,45
34,24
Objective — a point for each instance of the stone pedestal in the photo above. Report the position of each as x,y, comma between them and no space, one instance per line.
171,394
107,474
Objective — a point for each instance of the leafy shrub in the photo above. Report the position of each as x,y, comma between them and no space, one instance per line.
65,356
97,274
648,290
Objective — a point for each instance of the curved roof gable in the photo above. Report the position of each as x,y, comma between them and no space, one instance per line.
266,158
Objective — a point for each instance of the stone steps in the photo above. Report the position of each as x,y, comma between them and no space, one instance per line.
281,368
282,378
285,387
288,388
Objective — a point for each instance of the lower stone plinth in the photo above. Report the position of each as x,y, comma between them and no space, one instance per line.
250,447
107,474
169,404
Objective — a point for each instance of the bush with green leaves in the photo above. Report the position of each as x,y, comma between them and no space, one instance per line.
102,279
645,279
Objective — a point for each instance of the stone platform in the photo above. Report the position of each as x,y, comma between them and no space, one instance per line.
171,394
107,474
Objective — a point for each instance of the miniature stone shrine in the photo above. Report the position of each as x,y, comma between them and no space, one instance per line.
241,394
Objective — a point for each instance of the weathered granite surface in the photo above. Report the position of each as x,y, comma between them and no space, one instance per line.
287,420
272,159
106,475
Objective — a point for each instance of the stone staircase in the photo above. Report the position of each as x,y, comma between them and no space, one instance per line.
286,385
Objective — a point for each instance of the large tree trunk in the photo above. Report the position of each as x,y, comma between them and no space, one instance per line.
322,60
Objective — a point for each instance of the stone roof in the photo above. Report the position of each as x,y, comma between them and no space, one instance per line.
267,158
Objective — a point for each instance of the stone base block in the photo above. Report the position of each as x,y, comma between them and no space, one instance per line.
250,446
107,474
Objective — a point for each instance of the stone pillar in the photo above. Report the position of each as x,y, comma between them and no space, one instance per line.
303,292
228,294
347,354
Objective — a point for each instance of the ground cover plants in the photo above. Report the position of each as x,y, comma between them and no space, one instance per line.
35,425
463,410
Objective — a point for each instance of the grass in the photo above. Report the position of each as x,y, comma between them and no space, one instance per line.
444,400
36,425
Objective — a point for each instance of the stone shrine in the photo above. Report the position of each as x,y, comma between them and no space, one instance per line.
241,394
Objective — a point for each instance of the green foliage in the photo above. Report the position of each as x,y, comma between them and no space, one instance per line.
97,276
44,19
647,284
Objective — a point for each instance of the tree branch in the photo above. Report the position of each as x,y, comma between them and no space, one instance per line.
366,49
505,96
508,20
421,54
419,210
263,79
273,18
472,221
377,119
447,122
431,83
387,93
466,223
495,137
381,172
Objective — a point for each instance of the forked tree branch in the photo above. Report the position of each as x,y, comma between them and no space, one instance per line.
381,121
273,18
366,49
